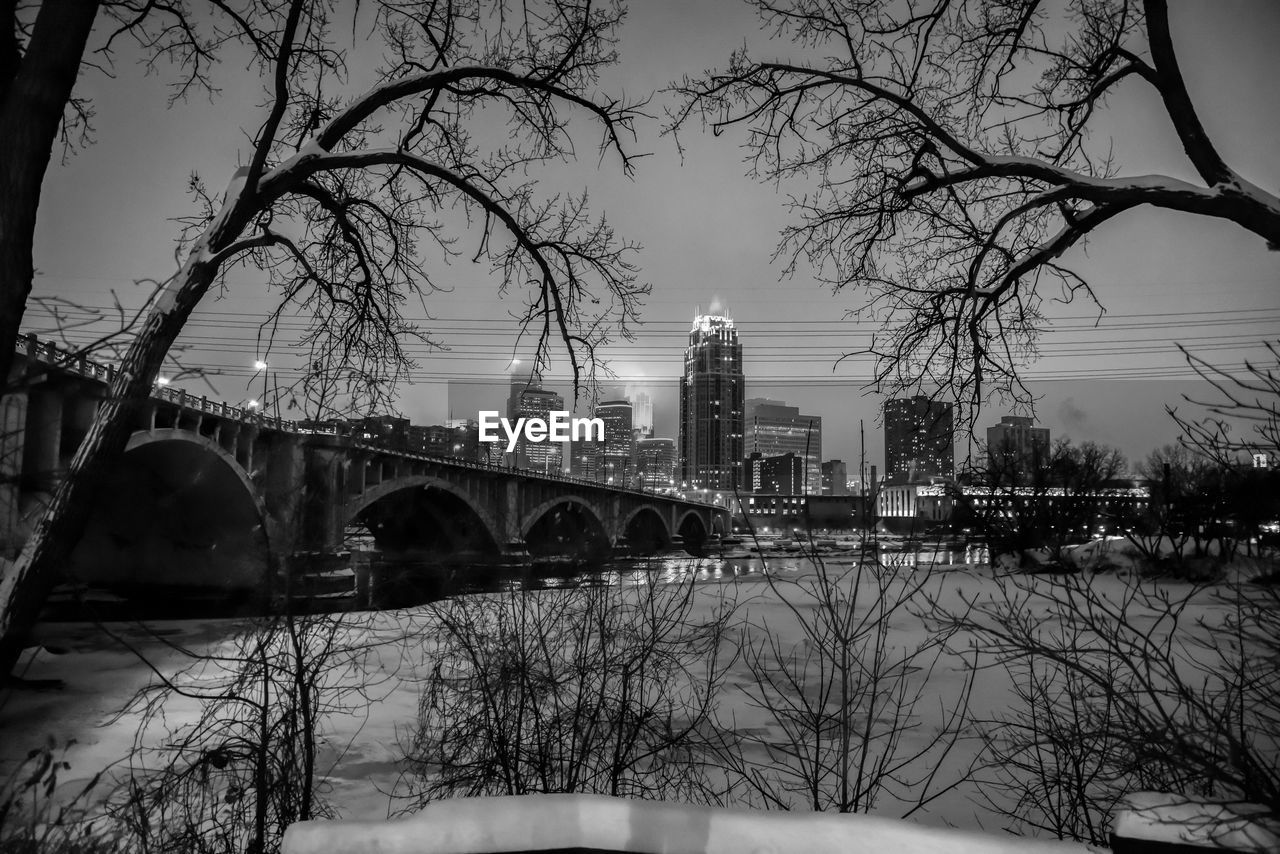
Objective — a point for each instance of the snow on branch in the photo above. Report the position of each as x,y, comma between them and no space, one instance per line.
947,166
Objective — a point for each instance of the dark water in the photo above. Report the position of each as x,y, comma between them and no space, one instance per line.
369,579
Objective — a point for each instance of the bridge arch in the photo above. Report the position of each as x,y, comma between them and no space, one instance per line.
692,529
646,529
176,512
207,445
489,528
578,528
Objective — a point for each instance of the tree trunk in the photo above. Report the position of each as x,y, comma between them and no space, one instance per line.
44,558
36,89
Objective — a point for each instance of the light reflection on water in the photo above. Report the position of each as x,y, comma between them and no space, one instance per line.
681,568
380,581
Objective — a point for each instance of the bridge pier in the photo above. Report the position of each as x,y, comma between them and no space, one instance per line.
509,536
41,455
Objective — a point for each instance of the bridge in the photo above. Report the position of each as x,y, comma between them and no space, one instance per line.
210,495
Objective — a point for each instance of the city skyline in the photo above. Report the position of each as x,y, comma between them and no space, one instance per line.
708,232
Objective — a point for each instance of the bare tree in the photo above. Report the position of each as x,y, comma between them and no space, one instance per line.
50,45
338,199
945,148
1244,419
845,700
608,689
1124,686
1187,495
1239,431
252,757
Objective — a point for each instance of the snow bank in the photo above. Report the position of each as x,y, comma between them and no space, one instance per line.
1176,820
601,823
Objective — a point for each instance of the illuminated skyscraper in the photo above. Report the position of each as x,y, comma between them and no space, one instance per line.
919,439
618,450
521,381
528,399
711,398
641,412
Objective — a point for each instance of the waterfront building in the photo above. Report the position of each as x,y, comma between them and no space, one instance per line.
922,506
656,463
919,439
617,463
771,428
795,514
711,405
835,478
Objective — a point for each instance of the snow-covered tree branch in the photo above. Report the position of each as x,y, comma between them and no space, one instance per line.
343,200
946,154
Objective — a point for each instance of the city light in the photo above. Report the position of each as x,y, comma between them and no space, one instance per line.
259,365
162,380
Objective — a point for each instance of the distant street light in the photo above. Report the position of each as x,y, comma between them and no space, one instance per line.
162,380
259,366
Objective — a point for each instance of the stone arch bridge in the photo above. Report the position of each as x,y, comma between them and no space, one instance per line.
219,494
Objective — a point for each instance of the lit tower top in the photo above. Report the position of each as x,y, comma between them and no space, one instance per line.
706,322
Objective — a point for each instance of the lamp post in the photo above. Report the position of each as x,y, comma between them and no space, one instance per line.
260,366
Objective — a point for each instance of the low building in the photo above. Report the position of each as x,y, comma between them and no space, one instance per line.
925,506
785,513
915,507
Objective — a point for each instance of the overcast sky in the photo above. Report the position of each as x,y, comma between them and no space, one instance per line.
708,234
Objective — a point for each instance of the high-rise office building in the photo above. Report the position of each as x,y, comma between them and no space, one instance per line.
1014,443
585,456
656,463
618,450
919,439
711,398
520,382
641,411
772,428
528,399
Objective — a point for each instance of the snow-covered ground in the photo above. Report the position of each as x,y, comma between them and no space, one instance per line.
362,749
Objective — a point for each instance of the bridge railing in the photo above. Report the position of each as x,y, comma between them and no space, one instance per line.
495,467
49,353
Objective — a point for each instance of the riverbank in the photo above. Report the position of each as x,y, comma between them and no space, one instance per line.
362,748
